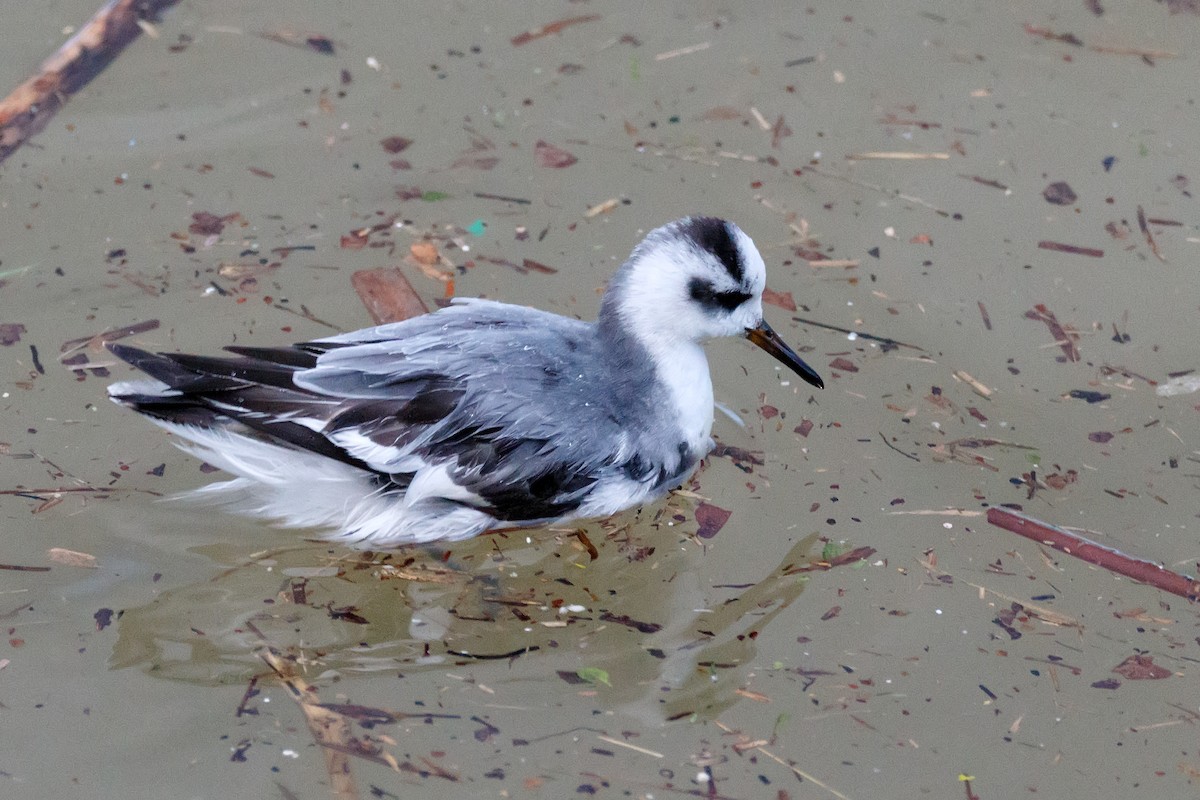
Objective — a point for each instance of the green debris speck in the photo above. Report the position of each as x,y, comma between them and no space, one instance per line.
832,550
594,675
433,197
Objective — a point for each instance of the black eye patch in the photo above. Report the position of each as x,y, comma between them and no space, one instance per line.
704,294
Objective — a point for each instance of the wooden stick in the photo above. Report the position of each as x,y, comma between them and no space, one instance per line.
1094,553
31,105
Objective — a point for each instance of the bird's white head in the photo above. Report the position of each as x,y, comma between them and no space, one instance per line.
691,280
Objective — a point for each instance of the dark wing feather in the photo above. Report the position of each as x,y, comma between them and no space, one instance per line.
210,392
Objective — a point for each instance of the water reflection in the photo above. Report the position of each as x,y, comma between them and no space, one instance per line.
680,648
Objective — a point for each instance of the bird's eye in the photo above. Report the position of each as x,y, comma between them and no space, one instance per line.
704,293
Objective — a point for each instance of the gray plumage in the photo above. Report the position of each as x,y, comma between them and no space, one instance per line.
481,415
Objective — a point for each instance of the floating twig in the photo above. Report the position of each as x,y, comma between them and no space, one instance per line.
29,108
520,651
897,449
633,747
985,181
987,321
1109,558
683,51
80,489
1059,247
329,729
874,187
521,201
1046,33
980,389
1062,338
1141,216
1143,53
97,341
834,263
316,42
896,156
551,28
602,208
841,560
868,336
306,314
787,764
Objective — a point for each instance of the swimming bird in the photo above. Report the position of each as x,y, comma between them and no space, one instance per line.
480,415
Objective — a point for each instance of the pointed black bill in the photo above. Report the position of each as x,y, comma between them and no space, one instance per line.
765,337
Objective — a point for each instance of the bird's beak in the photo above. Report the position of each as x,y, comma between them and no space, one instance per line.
765,337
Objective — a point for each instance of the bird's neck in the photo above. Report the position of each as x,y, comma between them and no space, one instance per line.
678,368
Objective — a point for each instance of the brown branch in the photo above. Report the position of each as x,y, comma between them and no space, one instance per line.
1063,338
329,729
1145,228
29,108
77,489
850,557
1113,560
551,28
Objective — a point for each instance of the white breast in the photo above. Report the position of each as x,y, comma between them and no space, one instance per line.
684,374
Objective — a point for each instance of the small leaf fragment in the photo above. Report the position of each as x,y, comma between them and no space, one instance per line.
594,675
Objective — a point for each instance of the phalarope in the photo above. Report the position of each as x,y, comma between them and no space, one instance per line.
481,415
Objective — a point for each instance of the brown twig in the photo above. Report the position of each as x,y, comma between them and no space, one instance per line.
1145,228
849,557
897,449
860,334
29,108
1094,553
1074,249
1062,338
987,321
759,745
78,489
551,28
329,729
